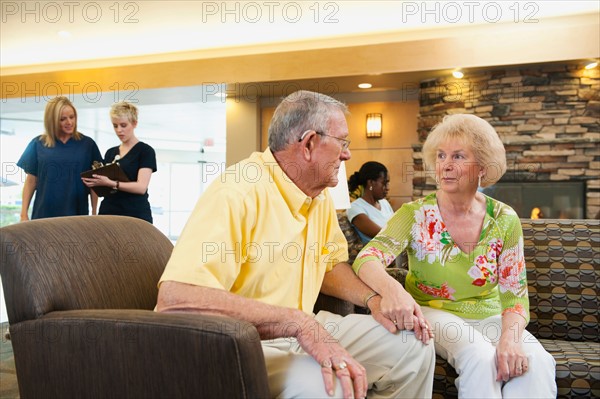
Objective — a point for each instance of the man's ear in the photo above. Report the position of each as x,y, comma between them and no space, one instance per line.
308,146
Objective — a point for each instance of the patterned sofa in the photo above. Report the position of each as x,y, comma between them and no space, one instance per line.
563,271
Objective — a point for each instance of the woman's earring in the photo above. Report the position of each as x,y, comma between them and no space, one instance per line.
479,182
371,188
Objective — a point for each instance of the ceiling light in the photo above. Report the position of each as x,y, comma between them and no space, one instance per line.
365,85
591,65
64,34
458,74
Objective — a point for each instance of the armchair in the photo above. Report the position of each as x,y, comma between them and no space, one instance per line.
80,293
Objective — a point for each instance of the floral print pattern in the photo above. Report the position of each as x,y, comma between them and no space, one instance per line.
486,266
385,258
429,235
444,291
518,309
489,280
513,274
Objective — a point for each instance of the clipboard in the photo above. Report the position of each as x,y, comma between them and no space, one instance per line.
113,171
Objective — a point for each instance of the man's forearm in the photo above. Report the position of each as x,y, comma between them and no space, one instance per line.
343,283
270,321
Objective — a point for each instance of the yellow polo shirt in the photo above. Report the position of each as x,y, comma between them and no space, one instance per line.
256,234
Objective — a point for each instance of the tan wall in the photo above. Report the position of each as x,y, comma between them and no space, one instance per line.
243,129
393,149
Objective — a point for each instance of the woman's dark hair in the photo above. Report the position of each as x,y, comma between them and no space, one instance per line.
369,171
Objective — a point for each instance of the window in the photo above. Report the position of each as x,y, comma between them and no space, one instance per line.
185,126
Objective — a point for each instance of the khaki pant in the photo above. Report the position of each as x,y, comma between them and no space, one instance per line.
398,365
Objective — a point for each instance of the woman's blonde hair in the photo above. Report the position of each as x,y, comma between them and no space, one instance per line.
123,109
475,132
52,127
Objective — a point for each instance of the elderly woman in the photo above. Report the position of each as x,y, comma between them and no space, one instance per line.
466,269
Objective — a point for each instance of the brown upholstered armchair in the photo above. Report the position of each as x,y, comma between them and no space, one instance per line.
80,293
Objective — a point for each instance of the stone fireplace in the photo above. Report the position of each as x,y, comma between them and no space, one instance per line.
548,119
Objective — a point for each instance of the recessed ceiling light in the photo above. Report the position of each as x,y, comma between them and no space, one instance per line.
591,65
64,34
365,85
458,74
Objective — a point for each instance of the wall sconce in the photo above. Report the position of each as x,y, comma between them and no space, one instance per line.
374,124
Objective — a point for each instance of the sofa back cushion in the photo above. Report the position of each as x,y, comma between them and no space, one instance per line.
81,262
563,272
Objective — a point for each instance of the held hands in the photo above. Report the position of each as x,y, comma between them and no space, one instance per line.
401,312
335,361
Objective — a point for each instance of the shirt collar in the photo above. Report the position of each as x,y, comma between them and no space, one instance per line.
296,199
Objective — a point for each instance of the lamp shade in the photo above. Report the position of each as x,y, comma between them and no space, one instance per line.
339,193
374,125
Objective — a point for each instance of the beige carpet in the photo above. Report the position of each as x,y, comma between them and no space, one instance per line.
8,376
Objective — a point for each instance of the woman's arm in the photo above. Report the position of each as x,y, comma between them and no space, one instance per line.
28,190
365,225
511,361
396,304
141,185
135,187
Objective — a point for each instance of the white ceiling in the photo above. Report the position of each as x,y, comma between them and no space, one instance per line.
111,29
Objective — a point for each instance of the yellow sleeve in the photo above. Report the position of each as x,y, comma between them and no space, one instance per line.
209,251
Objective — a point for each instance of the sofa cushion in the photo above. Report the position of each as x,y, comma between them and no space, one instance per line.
577,367
563,263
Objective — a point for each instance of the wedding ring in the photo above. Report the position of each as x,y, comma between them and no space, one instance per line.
395,322
519,369
326,364
342,365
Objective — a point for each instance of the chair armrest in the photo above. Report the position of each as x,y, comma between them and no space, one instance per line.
138,354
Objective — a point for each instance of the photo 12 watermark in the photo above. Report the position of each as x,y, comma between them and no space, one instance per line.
270,12
454,12
90,92
62,12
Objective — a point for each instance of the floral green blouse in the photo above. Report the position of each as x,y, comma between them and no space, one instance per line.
489,280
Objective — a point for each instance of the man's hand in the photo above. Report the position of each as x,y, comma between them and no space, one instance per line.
335,361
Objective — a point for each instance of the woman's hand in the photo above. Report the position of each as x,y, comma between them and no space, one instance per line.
98,180
405,313
396,305
511,361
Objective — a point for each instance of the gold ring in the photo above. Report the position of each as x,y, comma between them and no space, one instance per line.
326,364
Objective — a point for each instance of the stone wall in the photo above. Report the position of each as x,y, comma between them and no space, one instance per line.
547,116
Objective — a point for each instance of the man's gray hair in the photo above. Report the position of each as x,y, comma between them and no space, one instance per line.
300,111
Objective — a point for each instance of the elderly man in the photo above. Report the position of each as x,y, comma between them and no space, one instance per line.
261,244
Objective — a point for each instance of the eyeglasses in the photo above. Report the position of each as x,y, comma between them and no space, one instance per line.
345,142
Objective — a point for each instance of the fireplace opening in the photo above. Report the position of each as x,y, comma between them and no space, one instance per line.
542,200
